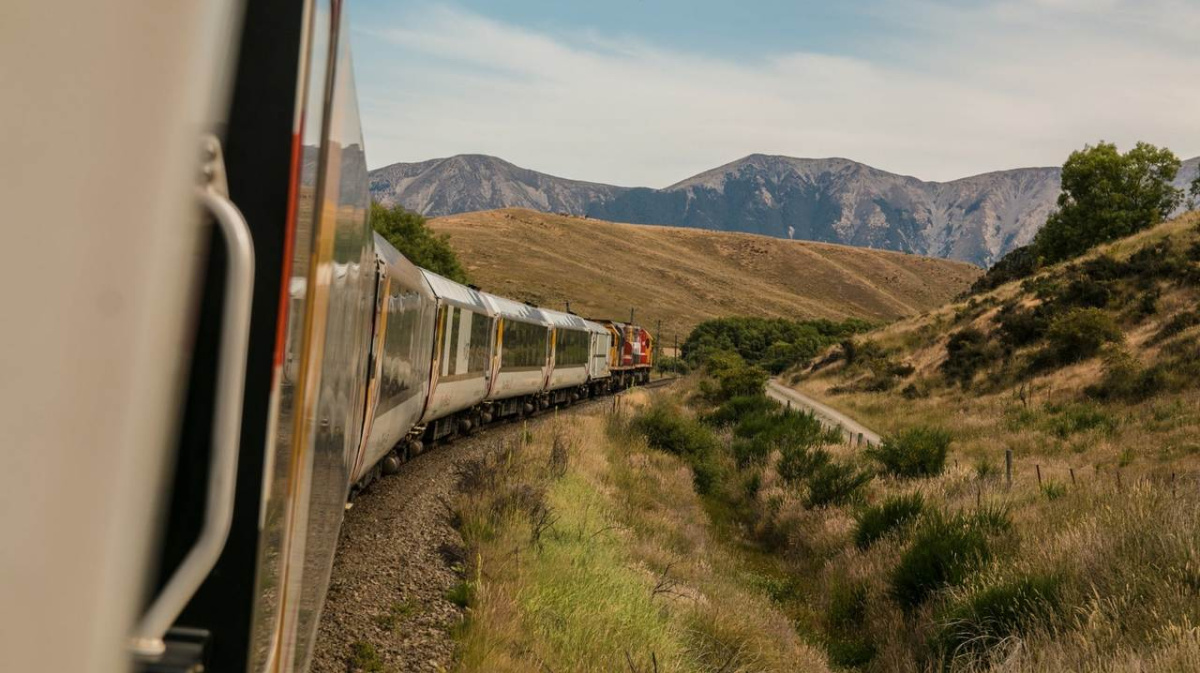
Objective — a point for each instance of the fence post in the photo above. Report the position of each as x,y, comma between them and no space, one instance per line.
1038,468
1072,476
1008,467
860,440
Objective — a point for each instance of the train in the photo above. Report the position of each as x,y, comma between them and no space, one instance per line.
447,359
207,351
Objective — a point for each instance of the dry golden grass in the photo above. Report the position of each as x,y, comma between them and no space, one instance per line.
627,578
1114,517
685,276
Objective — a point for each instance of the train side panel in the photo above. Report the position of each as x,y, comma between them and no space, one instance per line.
462,355
404,347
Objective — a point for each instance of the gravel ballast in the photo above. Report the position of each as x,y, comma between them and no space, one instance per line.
394,566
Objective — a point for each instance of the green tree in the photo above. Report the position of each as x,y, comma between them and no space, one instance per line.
1194,193
409,234
1107,195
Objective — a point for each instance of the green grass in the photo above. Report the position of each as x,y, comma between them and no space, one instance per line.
364,658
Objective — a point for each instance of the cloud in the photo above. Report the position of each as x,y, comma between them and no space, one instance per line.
945,92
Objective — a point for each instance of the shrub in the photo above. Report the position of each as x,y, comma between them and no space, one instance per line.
798,462
1079,335
876,521
1019,263
1021,326
835,484
667,430
672,365
741,381
966,353
946,548
916,452
739,407
752,451
408,232
773,343
977,622
788,427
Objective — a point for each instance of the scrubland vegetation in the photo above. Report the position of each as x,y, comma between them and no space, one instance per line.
1089,372
705,528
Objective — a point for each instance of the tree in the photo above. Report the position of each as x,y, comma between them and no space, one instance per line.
409,234
1194,193
1107,195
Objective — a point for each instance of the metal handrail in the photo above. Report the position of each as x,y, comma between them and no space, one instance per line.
147,640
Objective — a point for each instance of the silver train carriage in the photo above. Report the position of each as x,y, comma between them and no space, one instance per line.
522,361
461,373
576,372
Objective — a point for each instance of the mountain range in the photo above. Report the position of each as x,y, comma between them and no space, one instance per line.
975,219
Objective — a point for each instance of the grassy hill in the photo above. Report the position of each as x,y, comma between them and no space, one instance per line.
1089,373
684,276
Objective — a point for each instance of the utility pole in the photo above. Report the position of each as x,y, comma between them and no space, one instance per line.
631,315
568,306
658,346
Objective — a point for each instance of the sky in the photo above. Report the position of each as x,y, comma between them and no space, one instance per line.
648,93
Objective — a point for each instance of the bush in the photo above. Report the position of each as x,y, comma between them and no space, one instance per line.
773,343
835,484
740,407
916,452
877,521
741,381
1019,263
945,550
1079,335
967,352
1021,326
667,430
979,621
408,233
798,462
670,365
787,427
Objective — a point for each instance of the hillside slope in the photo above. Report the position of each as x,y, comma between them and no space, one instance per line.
684,276
976,219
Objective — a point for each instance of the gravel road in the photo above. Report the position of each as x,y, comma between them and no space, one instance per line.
827,415
391,571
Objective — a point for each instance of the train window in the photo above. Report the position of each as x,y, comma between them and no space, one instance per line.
481,342
450,367
524,345
570,348
398,379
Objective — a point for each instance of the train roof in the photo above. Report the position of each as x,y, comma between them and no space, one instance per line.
571,321
456,293
398,266
515,310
